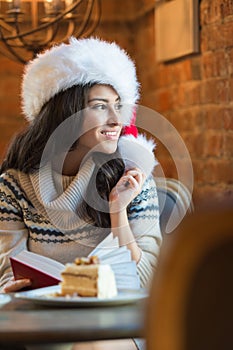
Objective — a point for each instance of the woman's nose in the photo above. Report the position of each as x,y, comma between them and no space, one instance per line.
113,115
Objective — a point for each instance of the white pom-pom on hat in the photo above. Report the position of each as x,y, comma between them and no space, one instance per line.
138,152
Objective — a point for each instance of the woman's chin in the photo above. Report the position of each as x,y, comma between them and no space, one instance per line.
107,147
108,150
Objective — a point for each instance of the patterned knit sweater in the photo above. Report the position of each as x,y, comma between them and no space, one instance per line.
40,212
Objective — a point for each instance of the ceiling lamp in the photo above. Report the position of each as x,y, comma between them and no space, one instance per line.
29,26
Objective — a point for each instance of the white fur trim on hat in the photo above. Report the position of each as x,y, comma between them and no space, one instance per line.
79,62
138,152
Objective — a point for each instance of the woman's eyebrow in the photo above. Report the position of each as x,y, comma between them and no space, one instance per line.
102,99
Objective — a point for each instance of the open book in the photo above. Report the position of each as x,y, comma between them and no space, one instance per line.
44,272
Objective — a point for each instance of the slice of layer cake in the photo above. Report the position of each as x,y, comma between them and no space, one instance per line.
87,278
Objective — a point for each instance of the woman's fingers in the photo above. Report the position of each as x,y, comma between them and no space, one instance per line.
132,179
131,182
127,188
136,174
15,285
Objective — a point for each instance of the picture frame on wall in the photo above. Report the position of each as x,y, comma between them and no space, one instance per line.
176,28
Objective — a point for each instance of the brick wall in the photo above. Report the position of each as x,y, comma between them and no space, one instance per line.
11,119
194,93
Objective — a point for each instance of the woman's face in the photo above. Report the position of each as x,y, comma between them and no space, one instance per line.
102,122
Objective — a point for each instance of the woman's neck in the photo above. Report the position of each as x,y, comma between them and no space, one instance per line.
72,162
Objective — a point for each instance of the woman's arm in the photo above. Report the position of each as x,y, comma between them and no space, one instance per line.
13,233
128,187
138,227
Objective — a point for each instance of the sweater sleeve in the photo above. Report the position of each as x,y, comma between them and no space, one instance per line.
13,233
143,215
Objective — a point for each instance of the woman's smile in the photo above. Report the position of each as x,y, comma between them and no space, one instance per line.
111,134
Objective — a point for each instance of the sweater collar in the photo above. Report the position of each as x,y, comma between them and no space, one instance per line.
61,202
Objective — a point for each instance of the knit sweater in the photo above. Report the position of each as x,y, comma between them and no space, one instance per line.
40,212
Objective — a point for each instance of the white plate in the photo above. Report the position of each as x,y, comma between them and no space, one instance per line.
44,296
4,299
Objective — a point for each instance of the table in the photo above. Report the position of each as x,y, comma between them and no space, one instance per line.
22,322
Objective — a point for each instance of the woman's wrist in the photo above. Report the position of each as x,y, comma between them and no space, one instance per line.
119,219
121,229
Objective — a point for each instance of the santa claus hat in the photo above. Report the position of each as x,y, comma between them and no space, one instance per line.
78,63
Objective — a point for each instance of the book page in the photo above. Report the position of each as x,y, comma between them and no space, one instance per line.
119,257
109,244
121,254
127,282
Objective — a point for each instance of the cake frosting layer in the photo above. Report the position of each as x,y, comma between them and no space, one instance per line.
94,280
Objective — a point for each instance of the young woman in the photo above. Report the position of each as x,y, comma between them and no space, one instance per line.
74,175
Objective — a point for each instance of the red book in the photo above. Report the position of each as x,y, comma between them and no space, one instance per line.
42,271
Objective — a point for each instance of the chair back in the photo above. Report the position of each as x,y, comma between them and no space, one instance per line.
175,201
191,297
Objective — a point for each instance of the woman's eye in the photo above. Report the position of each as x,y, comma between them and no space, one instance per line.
99,107
118,107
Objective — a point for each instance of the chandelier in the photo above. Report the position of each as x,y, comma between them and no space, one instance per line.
29,26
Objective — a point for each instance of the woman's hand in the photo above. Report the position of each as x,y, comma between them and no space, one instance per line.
126,189
14,285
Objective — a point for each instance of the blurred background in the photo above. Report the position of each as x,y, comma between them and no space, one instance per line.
191,86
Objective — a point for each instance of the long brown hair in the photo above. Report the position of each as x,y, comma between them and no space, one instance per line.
26,149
